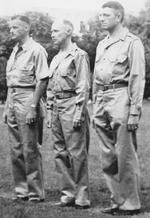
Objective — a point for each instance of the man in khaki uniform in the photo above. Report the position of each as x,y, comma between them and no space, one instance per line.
27,74
119,79
67,104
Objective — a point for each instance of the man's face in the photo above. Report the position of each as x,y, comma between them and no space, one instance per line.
59,33
109,18
18,29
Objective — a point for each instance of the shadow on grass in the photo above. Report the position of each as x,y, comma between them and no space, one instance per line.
145,199
47,209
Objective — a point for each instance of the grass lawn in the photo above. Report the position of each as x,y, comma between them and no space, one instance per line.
98,190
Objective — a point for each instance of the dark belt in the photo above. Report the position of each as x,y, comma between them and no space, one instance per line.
111,86
22,87
63,95
15,88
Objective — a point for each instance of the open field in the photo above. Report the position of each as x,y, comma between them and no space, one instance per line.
99,192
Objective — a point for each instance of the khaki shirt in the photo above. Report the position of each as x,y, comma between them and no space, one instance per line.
70,73
122,60
28,66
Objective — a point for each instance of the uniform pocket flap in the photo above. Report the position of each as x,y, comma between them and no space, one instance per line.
121,58
64,73
29,67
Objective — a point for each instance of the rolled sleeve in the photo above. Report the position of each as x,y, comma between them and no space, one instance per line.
41,66
82,78
94,91
82,83
137,76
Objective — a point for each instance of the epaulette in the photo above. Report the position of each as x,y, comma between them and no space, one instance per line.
81,51
132,36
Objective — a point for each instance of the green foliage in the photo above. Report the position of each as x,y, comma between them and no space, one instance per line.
4,30
41,31
3,88
40,26
90,35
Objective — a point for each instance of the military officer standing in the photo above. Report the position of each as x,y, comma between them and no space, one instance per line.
119,79
27,74
67,103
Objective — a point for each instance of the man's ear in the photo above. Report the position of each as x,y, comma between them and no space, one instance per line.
68,31
27,27
119,16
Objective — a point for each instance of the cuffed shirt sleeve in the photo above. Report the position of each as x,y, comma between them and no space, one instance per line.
137,76
82,81
41,66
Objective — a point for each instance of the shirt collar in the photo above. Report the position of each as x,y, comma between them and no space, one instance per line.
123,33
71,51
121,36
25,46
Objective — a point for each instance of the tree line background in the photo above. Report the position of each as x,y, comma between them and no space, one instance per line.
89,36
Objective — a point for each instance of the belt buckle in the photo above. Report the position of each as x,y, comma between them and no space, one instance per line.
56,95
106,87
13,90
114,86
59,95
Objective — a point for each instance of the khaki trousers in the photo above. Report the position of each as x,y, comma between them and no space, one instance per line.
24,147
119,147
71,152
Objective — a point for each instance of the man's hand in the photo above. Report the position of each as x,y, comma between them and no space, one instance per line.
133,122
5,112
4,117
93,121
49,119
76,124
77,120
31,117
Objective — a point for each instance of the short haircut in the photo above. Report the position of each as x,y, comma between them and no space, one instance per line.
115,5
67,22
22,18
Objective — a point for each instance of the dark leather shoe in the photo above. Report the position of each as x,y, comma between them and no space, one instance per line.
19,197
128,212
110,210
77,206
36,199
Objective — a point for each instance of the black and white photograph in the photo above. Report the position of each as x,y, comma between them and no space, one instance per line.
74,108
